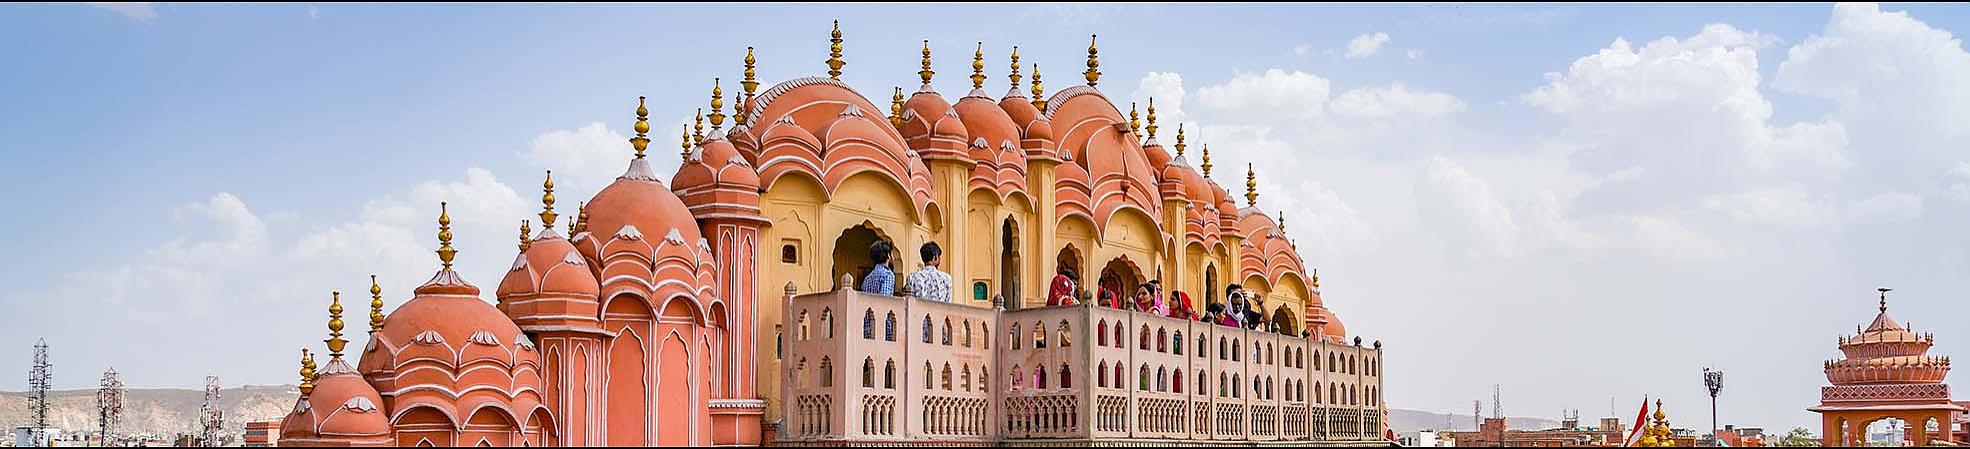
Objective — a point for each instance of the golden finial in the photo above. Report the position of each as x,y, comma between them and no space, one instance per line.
1282,221
834,53
1094,63
978,67
717,105
445,251
307,373
375,305
698,127
1135,122
641,141
926,72
335,341
580,221
896,108
1180,144
749,83
1152,118
1251,186
685,137
547,214
526,233
1039,93
1884,298
1015,69
1207,159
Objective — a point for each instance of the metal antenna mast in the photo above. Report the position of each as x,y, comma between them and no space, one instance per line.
1477,415
38,380
212,418
1497,410
109,403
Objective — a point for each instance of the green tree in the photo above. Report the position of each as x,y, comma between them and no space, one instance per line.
1800,437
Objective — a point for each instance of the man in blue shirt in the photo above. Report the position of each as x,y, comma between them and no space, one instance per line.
881,279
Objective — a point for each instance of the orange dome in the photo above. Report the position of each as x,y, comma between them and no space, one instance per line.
551,265
1036,133
342,407
1157,156
1335,330
711,166
639,200
932,127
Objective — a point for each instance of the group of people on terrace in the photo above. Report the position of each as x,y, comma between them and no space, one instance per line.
1240,308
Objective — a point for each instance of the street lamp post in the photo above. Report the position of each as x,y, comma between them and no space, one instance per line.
1715,381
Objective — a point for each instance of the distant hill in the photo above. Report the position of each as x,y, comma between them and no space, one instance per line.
159,411
1413,420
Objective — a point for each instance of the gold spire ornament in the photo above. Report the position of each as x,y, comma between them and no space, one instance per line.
926,73
1135,122
526,234
547,214
1094,63
698,127
717,105
685,138
445,251
641,141
1180,144
978,67
1039,93
580,221
1014,76
375,305
307,373
749,84
834,53
896,109
1251,186
335,341
1152,118
1207,160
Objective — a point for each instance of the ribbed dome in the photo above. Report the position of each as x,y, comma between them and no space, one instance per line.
1886,353
638,199
550,265
342,406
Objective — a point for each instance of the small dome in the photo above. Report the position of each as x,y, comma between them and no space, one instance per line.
638,199
550,265
1036,133
1335,330
713,166
342,406
930,125
1157,155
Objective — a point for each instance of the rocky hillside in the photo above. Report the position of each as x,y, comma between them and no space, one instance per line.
161,411
1414,420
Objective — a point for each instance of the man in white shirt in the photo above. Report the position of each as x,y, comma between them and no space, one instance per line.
929,283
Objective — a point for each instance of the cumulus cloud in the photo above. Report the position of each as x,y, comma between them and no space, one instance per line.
1167,89
1396,99
1274,93
1366,45
1414,54
588,158
138,11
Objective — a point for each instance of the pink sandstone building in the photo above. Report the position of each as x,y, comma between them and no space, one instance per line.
716,309
1887,373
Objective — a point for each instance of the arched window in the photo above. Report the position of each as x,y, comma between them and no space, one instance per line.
1066,377
1176,342
869,324
926,329
1176,381
1235,386
869,372
1040,377
1145,337
965,378
1271,359
1119,383
800,374
1039,335
827,370
927,375
1221,348
947,376
1162,340
967,333
985,330
1222,391
1101,373
1331,366
1203,347
1234,350
946,331
1143,379
889,374
984,376
803,326
1118,336
1258,390
1162,379
1066,335
889,327
1015,376
1203,383
1101,333
828,321
1015,335
1332,397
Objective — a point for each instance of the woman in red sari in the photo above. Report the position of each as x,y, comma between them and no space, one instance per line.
1061,293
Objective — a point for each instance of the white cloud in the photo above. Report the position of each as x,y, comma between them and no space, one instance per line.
1414,54
1167,89
1302,49
1274,94
1396,99
138,11
1464,207
314,13
586,159
1366,45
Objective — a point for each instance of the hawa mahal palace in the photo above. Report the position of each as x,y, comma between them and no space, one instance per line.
718,308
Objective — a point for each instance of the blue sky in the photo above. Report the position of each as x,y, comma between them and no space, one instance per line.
1449,201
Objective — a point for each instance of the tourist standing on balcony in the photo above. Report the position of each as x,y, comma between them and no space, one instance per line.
1179,306
1062,291
929,283
1162,303
1235,306
881,280
1144,301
